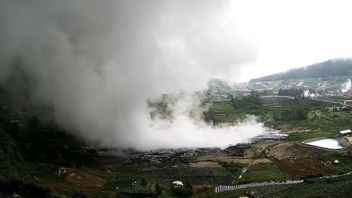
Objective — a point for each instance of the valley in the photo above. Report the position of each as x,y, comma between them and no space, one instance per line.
40,159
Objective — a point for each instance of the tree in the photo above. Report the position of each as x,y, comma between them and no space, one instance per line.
294,92
143,182
158,189
248,104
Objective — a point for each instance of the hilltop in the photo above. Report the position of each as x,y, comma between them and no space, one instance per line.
335,67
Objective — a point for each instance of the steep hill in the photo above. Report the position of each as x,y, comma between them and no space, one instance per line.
337,67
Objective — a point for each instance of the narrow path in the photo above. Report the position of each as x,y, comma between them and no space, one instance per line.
225,188
222,188
244,170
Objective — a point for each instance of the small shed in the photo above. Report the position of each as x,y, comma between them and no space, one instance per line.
177,184
347,131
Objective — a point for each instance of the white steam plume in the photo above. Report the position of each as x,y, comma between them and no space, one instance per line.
182,131
96,63
346,86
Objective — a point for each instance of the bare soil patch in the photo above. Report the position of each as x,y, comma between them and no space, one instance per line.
77,180
304,167
291,150
255,168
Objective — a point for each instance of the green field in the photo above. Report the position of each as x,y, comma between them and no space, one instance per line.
265,172
300,136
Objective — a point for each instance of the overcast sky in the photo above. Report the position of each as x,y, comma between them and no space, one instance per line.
290,34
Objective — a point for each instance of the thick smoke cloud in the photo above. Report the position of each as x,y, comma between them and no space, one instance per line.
96,62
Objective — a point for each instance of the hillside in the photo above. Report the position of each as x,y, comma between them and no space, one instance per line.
337,67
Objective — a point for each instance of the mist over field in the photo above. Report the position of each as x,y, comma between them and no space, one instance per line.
97,63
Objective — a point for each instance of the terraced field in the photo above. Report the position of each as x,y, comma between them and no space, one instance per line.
222,107
222,112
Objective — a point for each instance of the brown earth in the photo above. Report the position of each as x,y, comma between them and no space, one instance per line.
76,180
291,150
255,168
303,167
349,139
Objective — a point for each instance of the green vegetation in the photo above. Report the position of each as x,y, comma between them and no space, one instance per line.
234,168
158,189
291,114
265,172
12,166
291,92
343,166
143,182
248,104
300,136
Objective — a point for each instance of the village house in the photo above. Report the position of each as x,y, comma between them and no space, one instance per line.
347,103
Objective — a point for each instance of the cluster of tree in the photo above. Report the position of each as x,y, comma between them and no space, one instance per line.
291,114
339,67
248,104
291,92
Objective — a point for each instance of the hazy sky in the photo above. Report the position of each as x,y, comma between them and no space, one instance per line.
291,34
